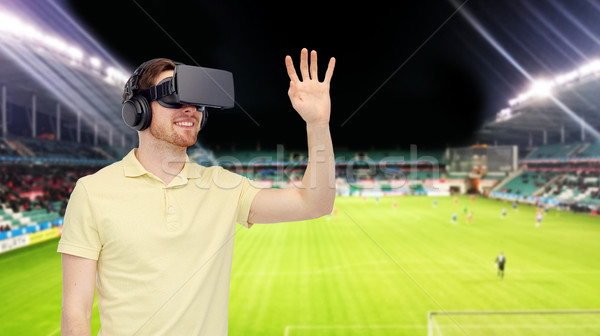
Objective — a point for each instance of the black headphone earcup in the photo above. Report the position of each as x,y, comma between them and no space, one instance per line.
137,113
130,114
146,115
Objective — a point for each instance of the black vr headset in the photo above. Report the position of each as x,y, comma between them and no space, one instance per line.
190,85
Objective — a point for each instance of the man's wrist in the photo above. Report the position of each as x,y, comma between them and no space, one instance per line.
316,125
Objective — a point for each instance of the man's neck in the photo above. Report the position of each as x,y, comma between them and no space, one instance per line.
164,161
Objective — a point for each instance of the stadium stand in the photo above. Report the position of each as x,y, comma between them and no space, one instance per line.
553,151
22,149
357,171
37,175
557,138
579,187
588,150
561,174
31,195
528,182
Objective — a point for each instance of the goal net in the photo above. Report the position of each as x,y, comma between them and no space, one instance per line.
514,323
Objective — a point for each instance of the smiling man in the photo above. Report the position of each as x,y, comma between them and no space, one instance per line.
155,231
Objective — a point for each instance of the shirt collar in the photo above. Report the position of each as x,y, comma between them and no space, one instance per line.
133,168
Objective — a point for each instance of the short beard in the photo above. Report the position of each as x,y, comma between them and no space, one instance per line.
171,137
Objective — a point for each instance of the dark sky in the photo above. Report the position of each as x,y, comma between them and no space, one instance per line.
408,72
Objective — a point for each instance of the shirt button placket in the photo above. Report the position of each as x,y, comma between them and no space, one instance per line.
172,222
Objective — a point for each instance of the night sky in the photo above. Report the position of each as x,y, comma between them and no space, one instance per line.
408,72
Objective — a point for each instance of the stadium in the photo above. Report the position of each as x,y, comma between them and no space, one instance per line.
410,247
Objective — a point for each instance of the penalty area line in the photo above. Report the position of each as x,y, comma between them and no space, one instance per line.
289,328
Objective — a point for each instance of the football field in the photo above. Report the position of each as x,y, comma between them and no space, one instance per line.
375,269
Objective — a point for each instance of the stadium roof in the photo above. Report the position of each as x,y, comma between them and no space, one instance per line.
572,106
92,95
45,53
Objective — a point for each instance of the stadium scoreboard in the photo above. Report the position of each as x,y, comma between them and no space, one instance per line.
482,159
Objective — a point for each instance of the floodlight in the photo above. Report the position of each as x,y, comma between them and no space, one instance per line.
13,27
95,62
590,68
542,88
568,77
75,53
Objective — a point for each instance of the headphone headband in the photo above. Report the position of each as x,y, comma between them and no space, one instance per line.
132,84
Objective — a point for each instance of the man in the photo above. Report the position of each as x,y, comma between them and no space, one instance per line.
500,261
155,231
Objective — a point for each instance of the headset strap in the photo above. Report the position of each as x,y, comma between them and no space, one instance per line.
156,92
132,83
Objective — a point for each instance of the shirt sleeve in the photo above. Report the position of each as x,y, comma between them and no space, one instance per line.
248,190
80,232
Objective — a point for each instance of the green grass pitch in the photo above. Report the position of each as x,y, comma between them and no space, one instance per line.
372,269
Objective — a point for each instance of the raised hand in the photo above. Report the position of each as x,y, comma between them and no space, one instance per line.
309,97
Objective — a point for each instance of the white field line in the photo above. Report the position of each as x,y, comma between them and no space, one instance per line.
531,325
289,328
56,331
339,269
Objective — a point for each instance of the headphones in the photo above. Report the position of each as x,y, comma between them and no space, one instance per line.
136,110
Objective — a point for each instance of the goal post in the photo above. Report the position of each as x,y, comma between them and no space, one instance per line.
514,322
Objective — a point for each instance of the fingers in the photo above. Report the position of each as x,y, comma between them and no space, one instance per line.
290,69
304,64
314,74
329,72
304,67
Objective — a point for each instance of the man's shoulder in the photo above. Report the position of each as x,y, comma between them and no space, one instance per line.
104,176
220,177
216,172
211,170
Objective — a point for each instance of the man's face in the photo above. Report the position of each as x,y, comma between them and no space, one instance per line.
177,126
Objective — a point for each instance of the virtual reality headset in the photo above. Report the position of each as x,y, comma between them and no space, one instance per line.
193,85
